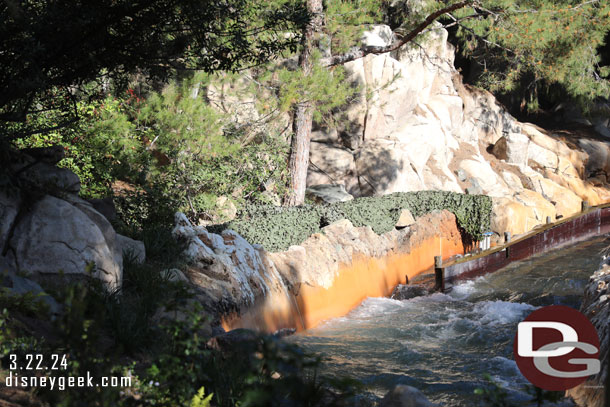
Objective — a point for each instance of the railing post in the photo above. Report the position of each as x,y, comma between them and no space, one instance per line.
548,220
506,237
584,206
438,274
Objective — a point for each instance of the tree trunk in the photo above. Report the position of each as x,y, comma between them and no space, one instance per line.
303,112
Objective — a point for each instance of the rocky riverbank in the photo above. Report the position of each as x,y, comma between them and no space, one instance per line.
415,127
325,276
596,306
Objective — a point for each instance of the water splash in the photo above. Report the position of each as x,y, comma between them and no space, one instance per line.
444,343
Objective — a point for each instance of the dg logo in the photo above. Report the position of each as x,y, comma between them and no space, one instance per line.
556,348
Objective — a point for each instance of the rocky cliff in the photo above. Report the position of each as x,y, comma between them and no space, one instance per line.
413,127
416,126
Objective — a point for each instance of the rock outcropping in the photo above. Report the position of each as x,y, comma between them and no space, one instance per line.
47,230
596,306
416,126
326,276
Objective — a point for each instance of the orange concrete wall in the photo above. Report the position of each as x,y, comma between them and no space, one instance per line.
364,277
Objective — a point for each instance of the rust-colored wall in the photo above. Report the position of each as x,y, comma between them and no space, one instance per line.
364,277
369,277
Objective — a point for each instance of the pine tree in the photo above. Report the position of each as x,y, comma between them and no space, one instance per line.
532,43
529,45
53,52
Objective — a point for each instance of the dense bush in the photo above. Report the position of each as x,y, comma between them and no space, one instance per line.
171,149
277,228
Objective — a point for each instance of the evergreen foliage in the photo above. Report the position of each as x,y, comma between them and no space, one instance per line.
174,152
53,52
326,89
525,47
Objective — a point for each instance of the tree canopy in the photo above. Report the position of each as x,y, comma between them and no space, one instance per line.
50,51
527,46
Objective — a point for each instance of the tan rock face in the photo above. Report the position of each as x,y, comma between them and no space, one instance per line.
525,211
414,124
565,201
418,135
383,167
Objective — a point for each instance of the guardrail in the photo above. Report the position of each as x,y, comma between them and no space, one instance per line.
592,221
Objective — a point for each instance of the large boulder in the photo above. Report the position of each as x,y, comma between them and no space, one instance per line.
55,236
49,233
229,271
405,396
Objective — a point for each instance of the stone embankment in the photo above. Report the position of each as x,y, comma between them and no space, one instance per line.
596,306
324,277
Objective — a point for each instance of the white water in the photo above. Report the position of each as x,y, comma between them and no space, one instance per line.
444,343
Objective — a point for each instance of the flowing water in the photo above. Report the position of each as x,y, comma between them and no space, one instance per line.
443,344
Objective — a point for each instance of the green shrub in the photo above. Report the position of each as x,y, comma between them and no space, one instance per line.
277,228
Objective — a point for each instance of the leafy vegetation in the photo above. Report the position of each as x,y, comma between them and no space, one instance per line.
278,228
54,53
172,151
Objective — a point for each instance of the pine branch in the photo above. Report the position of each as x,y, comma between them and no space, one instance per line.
357,53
